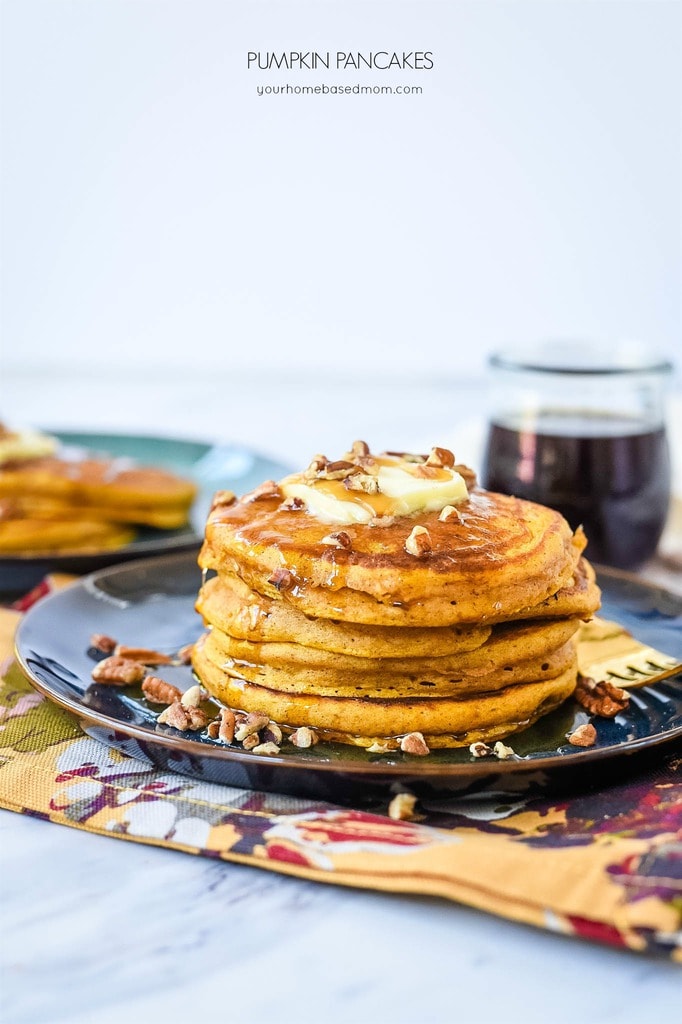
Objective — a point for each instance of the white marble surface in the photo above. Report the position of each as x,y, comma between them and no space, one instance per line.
100,931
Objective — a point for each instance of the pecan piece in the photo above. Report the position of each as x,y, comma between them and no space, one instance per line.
158,691
340,539
182,718
503,752
364,482
282,579
117,671
338,470
447,513
146,655
252,724
222,728
480,749
600,698
467,475
272,733
292,505
102,643
584,736
303,737
192,697
414,743
185,654
221,499
419,542
249,742
268,489
360,449
442,458
401,807
265,748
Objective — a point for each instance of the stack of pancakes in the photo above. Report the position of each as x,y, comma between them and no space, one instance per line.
461,629
53,503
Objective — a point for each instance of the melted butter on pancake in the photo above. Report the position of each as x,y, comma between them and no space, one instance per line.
384,486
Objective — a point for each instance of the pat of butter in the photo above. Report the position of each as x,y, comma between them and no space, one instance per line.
401,493
18,445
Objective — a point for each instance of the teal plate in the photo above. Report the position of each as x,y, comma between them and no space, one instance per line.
151,604
211,467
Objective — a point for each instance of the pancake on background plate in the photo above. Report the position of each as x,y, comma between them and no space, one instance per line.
52,501
382,595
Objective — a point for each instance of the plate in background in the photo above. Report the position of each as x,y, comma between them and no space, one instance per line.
151,604
211,466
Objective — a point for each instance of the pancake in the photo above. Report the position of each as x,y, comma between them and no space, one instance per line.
36,536
227,602
386,682
508,645
79,505
116,488
455,721
438,607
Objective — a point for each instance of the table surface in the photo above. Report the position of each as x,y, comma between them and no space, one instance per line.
97,930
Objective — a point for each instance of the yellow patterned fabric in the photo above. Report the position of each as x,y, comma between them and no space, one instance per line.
606,865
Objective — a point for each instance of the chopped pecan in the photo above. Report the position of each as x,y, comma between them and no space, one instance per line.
118,671
340,539
227,725
447,513
584,736
414,743
102,643
253,723
184,655
146,655
600,698
249,742
480,749
364,482
282,579
265,748
158,691
503,752
222,499
442,458
182,718
292,505
303,737
360,449
192,697
382,521
271,733
268,489
419,542
338,470
401,807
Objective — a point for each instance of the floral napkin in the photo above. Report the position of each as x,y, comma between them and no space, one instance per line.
603,864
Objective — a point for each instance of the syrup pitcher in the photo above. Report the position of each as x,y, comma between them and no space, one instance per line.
582,429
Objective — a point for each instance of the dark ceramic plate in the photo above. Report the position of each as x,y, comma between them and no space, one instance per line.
211,466
150,603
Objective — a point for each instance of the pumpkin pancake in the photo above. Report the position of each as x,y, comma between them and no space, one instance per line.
500,555
38,536
111,489
387,681
227,602
437,607
453,720
508,645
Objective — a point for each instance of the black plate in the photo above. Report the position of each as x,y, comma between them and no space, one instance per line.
150,603
211,466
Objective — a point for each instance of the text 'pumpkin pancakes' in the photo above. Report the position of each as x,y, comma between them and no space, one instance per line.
55,501
380,596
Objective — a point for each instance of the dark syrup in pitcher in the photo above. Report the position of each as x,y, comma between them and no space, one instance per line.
610,474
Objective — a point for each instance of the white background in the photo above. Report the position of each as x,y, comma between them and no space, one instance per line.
159,216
